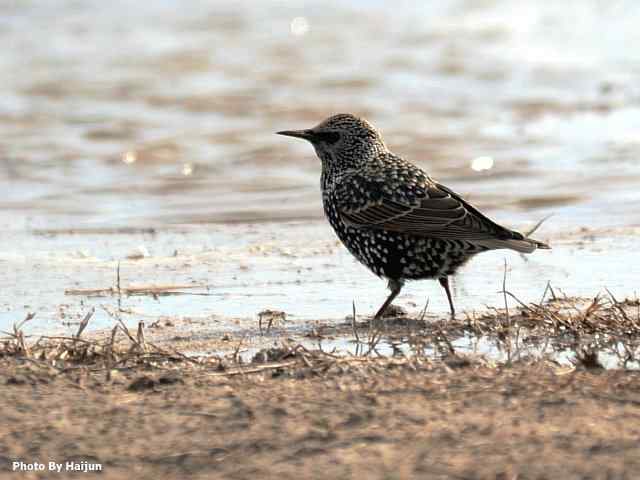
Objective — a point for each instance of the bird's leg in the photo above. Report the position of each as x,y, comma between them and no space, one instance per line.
395,286
444,281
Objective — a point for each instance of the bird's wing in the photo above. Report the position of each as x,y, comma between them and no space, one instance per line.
407,200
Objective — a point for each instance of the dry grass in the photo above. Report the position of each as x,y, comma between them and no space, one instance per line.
121,349
587,327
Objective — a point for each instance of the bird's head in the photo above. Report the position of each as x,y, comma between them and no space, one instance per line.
343,141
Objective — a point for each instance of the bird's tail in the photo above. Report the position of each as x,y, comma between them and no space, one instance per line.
519,243
540,245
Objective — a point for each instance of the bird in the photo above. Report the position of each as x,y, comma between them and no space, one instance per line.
392,216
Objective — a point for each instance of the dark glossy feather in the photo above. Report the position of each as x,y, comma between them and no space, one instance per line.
404,199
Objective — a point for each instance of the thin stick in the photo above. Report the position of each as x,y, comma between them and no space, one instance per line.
504,292
537,225
84,322
353,322
118,278
424,311
237,349
30,316
140,336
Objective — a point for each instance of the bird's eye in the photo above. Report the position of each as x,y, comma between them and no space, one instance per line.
328,137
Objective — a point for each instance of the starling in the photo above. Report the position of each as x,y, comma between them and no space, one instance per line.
391,215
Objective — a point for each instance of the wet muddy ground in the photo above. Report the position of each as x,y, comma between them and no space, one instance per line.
382,419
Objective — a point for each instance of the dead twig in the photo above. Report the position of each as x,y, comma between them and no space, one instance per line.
84,322
537,225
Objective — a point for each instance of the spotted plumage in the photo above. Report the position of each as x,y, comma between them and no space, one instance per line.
393,217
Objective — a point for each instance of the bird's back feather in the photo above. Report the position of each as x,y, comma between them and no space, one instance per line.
395,195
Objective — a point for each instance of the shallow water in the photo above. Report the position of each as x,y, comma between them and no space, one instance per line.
160,113
118,117
469,345
299,268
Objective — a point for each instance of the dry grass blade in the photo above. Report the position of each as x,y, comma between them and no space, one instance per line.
504,292
375,335
537,225
153,290
353,322
424,311
124,328
30,316
236,352
112,340
618,305
84,322
118,278
140,337
548,288
18,344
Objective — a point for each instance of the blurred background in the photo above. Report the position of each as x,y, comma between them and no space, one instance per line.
154,113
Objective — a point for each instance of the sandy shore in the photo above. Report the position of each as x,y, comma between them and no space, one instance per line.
384,418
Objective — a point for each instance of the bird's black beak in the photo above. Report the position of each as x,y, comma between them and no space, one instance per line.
304,134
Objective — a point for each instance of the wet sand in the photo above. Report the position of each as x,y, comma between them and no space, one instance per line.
376,419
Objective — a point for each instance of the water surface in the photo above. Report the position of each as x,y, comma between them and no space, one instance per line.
159,113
